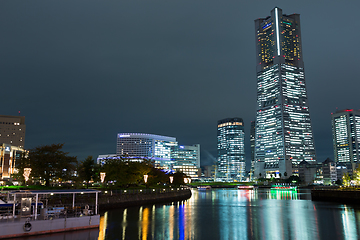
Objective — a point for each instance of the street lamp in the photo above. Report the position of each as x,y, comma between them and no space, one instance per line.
171,179
185,180
102,176
26,174
146,178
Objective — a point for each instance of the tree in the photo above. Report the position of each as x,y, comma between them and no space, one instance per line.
20,164
88,170
49,162
346,180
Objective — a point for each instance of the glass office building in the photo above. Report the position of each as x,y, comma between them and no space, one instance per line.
150,146
186,159
346,136
230,147
284,134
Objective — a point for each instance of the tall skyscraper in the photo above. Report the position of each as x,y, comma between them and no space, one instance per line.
284,134
346,136
12,130
231,151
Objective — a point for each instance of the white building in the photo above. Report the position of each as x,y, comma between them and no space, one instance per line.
346,137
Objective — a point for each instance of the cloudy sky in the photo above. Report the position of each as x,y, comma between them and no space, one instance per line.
82,71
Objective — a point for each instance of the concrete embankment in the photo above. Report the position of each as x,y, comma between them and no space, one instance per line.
130,198
332,195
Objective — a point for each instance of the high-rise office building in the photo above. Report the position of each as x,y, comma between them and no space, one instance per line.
284,134
346,137
12,130
142,145
231,150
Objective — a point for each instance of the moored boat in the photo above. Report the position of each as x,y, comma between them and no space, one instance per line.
27,213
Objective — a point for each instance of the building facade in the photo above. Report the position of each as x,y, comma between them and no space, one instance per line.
284,134
8,156
329,172
12,130
231,149
252,146
186,159
150,146
346,137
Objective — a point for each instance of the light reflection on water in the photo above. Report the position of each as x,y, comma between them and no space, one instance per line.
235,214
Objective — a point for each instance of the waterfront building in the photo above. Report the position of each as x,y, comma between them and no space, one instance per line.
307,172
346,137
186,159
329,172
230,146
8,156
148,146
284,134
12,130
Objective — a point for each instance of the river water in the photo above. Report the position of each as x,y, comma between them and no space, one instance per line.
230,214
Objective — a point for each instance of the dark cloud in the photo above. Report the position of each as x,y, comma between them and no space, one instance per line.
82,71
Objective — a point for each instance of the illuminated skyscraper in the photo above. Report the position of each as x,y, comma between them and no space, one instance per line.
283,135
346,136
231,152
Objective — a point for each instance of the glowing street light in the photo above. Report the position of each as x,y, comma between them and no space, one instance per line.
26,174
185,180
146,178
102,176
171,179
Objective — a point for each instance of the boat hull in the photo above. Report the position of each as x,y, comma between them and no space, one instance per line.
18,228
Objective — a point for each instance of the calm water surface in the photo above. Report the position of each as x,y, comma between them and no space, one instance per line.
230,214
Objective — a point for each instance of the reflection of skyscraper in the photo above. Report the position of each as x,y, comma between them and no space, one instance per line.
231,152
283,129
346,136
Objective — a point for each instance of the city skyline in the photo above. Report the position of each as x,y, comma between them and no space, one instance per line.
81,73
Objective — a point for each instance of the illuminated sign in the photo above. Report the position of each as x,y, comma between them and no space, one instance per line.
124,136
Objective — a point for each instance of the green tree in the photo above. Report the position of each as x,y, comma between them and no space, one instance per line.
346,179
50,162
88,170
20,164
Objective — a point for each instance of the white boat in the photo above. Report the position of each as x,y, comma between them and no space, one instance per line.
204,187
29,213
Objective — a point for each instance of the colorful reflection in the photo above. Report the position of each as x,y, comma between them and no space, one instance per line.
283,194
233,214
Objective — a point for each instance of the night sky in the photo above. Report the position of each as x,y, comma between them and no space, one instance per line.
82,71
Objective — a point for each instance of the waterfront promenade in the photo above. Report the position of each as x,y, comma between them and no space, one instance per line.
136,197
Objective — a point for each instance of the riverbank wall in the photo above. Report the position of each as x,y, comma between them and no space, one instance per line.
130,198
333,195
